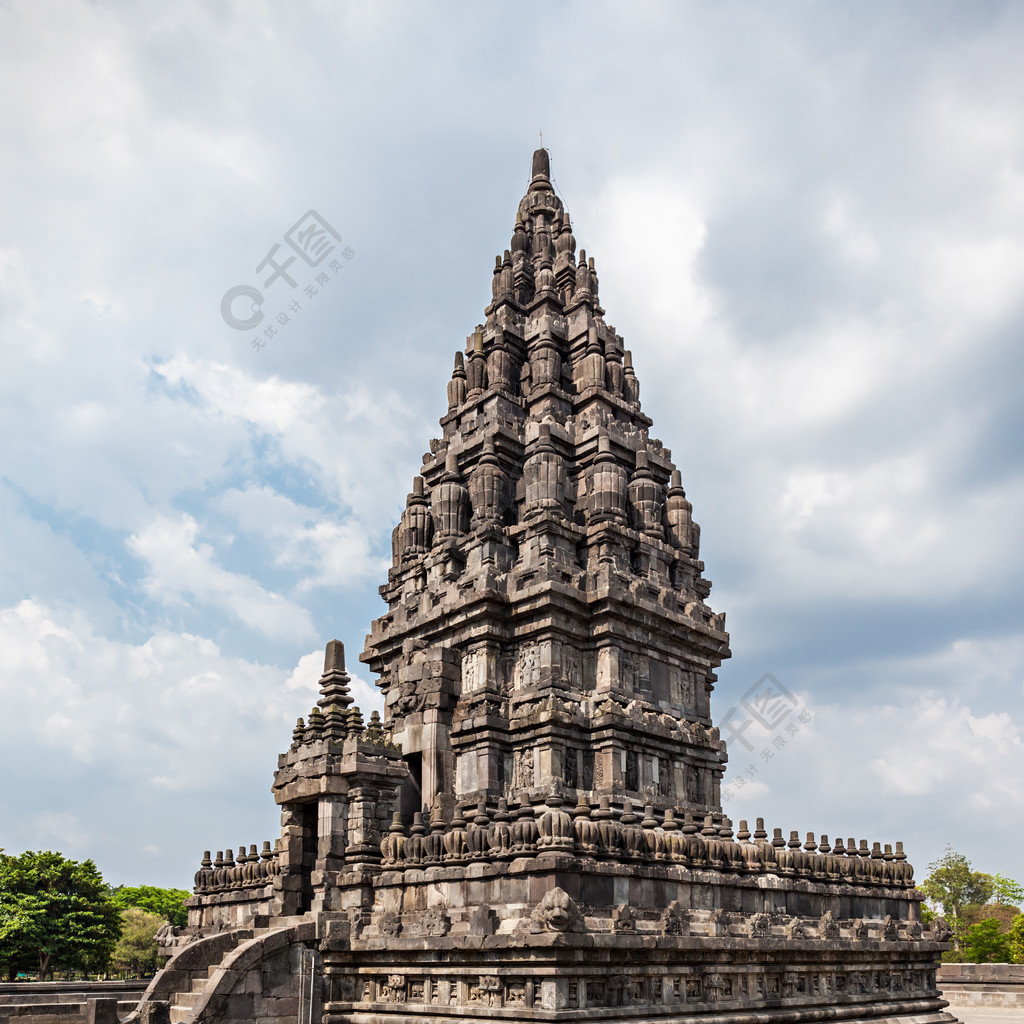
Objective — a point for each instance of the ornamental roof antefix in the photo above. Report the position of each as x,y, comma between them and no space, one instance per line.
534,829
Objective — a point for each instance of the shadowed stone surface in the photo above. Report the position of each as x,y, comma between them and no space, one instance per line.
534,830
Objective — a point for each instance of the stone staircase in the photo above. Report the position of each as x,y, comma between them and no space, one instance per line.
182,1004
231,970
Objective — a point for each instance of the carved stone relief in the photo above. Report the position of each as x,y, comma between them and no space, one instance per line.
665,777
523,772
587,769
471,672
528,666
631,772
572,667
569,768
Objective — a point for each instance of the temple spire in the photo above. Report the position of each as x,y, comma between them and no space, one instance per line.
547,491
541,174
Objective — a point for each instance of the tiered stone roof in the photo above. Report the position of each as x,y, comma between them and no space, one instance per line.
547,623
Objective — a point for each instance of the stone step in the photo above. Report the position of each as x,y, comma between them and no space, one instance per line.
188,999
180,1014
198,984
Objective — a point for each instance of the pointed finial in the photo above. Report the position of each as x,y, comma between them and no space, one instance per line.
334,657
374,731
334,682
540,180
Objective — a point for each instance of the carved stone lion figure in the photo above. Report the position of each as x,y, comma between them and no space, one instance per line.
557,912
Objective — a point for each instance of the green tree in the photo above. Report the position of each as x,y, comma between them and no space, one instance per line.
986,944
54,912
1007,891
955,890
136,951
1016,939
168,903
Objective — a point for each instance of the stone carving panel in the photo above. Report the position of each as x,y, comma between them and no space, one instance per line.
528,666
587,769
572,667
471,673
523,770
631,771
570,770
665,779
693,785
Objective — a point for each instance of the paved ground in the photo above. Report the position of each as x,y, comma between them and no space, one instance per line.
987,1014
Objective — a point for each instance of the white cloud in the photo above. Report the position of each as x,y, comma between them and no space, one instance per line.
807,228
307,674
334,553
180,568
922,765
61,831
272,404
151,732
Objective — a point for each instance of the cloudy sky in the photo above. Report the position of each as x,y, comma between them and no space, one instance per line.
808,220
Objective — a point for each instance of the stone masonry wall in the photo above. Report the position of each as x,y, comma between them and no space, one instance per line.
977,985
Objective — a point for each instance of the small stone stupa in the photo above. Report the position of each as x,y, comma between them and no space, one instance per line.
534,831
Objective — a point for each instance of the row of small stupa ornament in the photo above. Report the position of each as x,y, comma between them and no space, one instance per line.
455,506
602,364
607,834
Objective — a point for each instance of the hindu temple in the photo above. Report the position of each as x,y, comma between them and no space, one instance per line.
533,830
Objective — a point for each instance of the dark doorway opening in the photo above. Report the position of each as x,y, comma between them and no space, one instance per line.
410,799
310,841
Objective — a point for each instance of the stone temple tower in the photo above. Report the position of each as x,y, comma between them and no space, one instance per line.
534,830
547,630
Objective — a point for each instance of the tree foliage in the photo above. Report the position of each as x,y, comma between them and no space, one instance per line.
1006,891
953,887
168,903
136,951
54,913
979,907
1015,936
986,943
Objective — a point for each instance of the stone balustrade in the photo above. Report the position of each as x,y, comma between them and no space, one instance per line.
605,833
246,871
